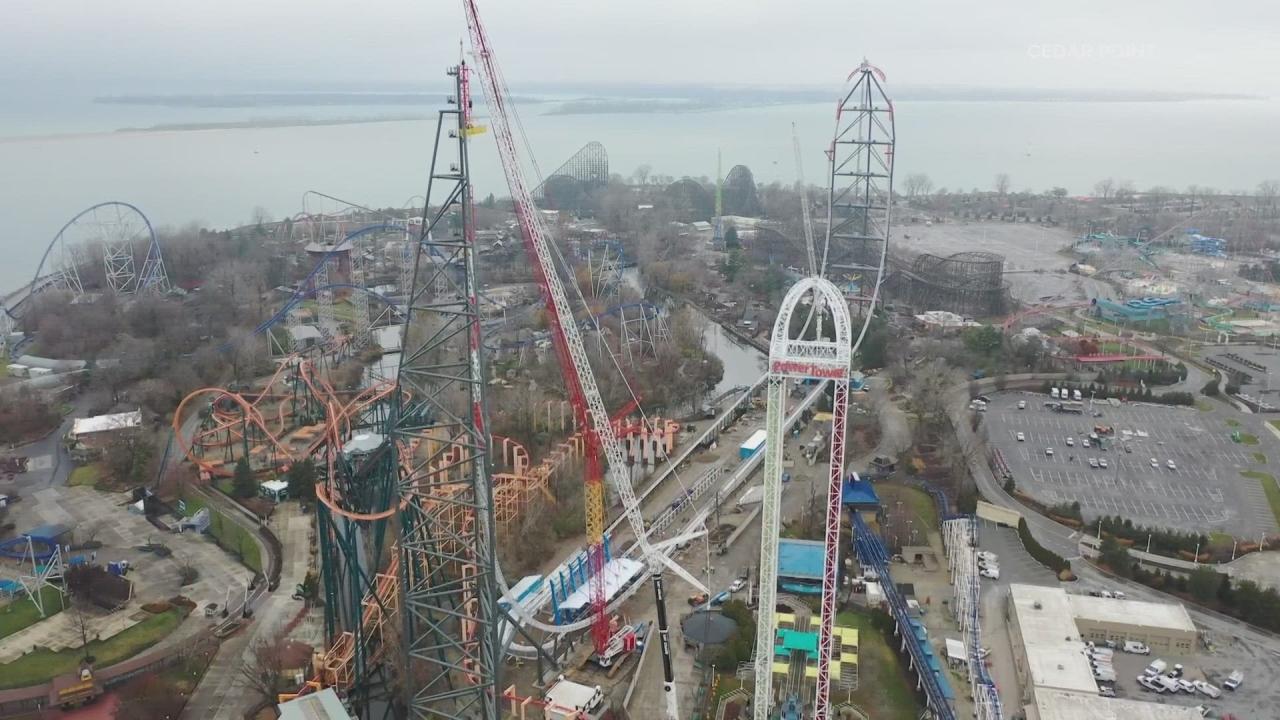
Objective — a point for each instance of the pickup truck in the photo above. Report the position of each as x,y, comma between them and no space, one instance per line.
75,689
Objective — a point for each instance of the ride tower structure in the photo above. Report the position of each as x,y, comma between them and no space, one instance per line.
823,354
859,199
448,567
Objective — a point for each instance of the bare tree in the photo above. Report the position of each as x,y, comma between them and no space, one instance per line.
1003,183
641,174
918,184
1268,191
1103,188
263,672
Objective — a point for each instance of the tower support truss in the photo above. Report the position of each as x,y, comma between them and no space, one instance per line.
861,160
447,564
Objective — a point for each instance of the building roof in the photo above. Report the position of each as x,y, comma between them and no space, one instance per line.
1054,650
323,705
1164,616
859,493
275,485
1059,705
571,695
106,423
305,332
800,559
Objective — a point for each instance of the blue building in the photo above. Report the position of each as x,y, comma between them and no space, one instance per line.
1136,310
1205,245
800,566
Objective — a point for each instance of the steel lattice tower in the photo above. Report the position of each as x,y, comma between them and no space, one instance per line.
447,562
861,159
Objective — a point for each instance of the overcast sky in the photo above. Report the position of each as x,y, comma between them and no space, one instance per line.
96,46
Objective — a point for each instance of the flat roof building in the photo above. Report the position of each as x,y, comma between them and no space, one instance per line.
1164,627
1047,649
568,700
322,705
1059,705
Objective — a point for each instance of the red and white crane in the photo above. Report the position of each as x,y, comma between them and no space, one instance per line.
580,382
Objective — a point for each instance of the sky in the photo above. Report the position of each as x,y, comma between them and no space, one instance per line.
139,46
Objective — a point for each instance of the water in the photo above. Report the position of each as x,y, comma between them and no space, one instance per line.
743,364
218,177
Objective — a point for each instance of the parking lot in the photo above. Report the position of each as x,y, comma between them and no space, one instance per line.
1261,384
1252,700
1205,491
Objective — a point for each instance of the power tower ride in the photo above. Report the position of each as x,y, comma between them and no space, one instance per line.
826,356
580,382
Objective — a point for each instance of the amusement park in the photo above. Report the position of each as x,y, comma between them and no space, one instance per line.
645,447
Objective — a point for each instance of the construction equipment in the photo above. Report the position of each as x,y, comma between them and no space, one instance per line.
573,360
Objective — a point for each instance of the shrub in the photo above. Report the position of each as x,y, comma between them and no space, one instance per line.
1042,555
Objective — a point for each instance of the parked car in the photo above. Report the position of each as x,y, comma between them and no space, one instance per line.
1071,442
987,556
1137,648
1155,463
1021,437
1022,404
1187,686
1084,442
1048,452
1102,463
1106,691
1171,466
1234,680
991,572
737,585
1205,688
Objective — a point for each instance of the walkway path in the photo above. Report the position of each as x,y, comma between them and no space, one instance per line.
222,694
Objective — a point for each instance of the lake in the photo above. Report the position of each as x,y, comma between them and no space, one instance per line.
60,158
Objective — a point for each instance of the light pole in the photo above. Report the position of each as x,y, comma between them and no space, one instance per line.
1234,542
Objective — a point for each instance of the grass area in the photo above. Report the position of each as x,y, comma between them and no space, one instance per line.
21,613
917,503
884,689
1274,423
1260,458
1203,405
86,475
41,665
1247,439
1269,486
229,536
1231,422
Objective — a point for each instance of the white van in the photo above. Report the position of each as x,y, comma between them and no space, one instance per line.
1053,393
1155,668
1075,395
1137,648
1233,680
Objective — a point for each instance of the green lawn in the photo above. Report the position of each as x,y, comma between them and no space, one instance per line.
916,502
87,475
1260,458
41,665
1274,423
21,613
1269,486
1248,439
884,688
1233,423
229,536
